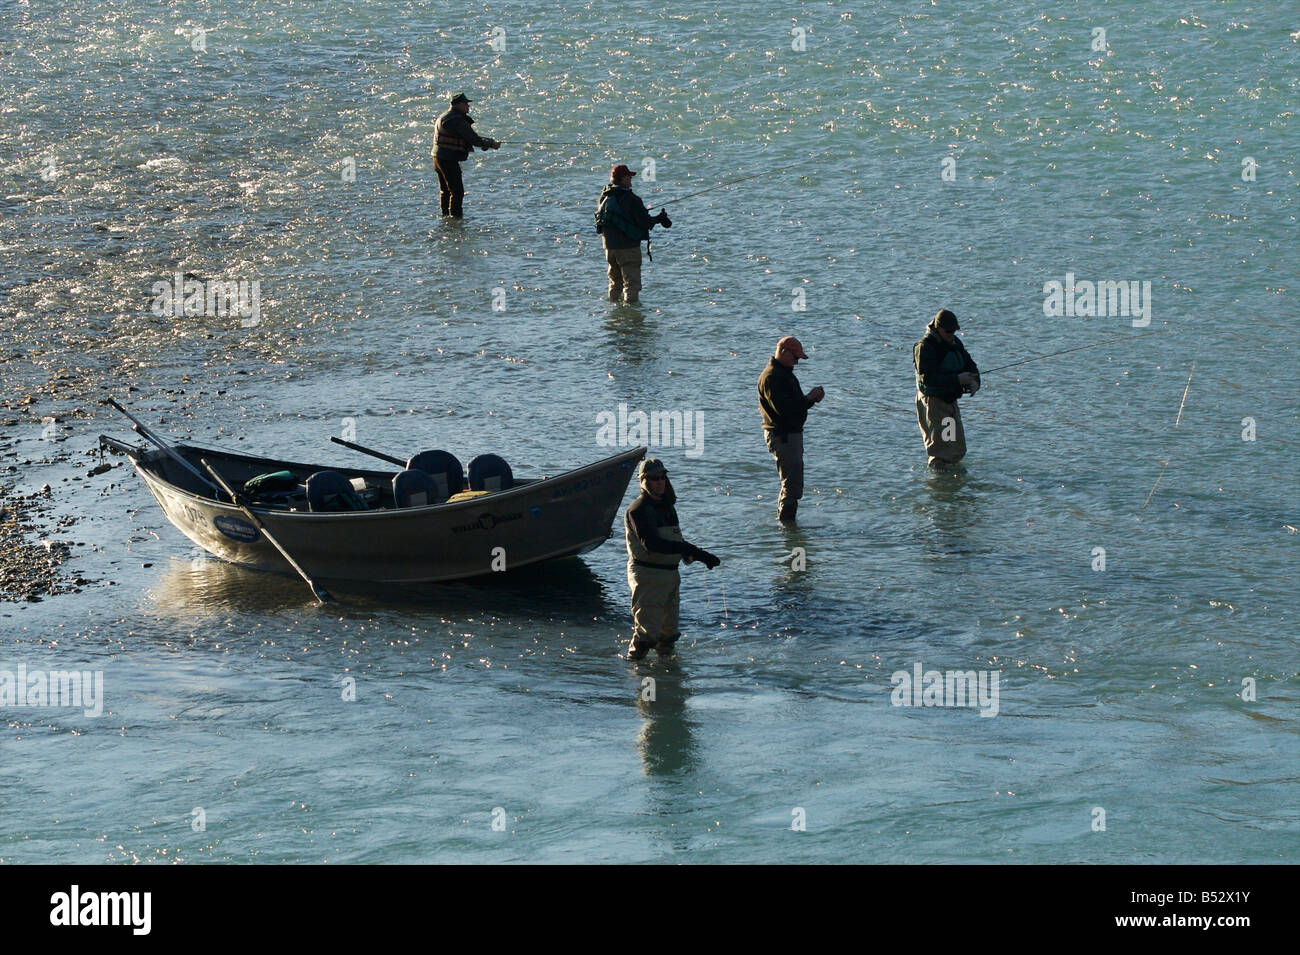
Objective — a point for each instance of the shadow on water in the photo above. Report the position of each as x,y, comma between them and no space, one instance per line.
563,588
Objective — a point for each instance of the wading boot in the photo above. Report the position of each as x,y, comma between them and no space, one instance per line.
666,648
787,513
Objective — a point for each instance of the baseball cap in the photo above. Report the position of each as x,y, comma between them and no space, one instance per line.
791,343
946,320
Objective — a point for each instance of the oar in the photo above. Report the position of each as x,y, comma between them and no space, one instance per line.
239,502
369,451
139,428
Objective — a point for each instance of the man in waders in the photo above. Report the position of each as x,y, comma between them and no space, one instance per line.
624,222
654,549
944,372
785,409
453,138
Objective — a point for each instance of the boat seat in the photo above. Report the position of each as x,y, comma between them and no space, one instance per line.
489,472
331,491
413,488
444,468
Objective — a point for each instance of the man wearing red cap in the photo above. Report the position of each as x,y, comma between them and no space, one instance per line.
944,372
785,409
453,138
623,222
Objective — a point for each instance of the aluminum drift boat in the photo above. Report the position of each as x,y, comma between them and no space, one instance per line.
537,519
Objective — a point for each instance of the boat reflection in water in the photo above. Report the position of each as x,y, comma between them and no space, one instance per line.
556,588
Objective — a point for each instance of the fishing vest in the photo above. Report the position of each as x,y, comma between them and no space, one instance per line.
446,139
952,362
637,554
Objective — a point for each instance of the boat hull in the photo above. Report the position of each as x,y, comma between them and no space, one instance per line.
571,513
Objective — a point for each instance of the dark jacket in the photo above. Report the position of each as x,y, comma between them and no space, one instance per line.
937,365
782,401
632,206
652,535
454,137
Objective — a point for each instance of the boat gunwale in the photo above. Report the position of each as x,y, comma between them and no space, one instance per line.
143,459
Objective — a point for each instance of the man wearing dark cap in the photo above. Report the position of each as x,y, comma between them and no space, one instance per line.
623,222
785,409
654,549
453,138
944,372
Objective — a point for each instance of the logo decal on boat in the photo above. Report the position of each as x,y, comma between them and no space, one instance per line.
486,522
236,529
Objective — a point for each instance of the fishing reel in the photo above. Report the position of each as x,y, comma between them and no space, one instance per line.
974,386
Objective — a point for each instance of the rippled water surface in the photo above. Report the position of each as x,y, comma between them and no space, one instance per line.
133,147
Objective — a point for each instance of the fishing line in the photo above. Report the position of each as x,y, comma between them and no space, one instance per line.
1181,405
817,540
708,594
732,182
977,408
1056,353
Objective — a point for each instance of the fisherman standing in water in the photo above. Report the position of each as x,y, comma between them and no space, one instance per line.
453,138
944,372
654,549
785,410
623,222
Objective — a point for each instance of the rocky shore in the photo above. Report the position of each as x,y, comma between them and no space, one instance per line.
35,542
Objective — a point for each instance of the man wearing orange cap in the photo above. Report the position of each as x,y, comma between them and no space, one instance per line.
785,409
624,222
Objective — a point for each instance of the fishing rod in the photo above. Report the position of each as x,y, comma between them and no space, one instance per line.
1056,353
547,142
732,182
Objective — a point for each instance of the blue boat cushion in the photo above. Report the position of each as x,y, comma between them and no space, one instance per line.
448,476
488,472
331,491
413,489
